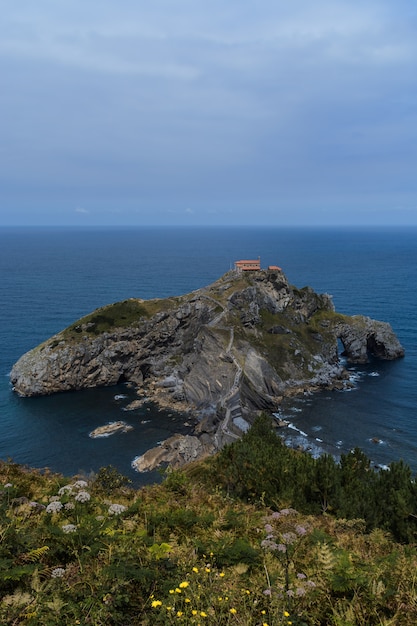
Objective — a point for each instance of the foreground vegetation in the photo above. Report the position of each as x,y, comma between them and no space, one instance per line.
247,538
273,473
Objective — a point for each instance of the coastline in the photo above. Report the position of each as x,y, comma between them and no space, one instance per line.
364,269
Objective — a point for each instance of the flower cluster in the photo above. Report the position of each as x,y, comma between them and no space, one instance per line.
54,507
58,572
68,489
208,596
287,536
69,528
82,496
65,489
283,537
76,489
116,509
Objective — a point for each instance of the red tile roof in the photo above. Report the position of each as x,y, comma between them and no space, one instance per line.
253,264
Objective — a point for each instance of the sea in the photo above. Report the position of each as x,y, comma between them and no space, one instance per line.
50,277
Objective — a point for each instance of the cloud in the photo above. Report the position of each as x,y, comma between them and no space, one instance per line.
222,105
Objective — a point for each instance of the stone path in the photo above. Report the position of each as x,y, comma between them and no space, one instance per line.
231,401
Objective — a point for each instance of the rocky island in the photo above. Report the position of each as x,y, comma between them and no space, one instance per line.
219,354
110,429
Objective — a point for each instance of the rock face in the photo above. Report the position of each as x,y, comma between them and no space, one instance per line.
175,451
224,351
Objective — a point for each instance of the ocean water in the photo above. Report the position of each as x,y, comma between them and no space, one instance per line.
52,276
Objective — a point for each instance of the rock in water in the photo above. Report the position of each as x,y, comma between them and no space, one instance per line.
110,429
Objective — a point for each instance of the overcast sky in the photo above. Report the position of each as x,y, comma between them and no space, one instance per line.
208,112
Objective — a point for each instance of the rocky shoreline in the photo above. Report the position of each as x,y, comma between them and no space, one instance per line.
181,449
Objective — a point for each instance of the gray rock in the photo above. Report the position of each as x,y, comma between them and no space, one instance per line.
225,352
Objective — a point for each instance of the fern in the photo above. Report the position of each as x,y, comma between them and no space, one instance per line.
344,614
28,616
17,573
378,588
325,557
56,605
34,556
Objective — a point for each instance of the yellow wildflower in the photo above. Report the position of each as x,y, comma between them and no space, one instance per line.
221,574
156,603
177,590
195,569
172,591
233,610
184,584
179,613
286,614
203,614
187,600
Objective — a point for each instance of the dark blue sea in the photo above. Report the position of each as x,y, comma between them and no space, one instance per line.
52,276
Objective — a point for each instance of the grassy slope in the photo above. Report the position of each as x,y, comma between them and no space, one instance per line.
184,553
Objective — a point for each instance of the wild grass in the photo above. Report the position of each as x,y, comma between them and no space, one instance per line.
94,551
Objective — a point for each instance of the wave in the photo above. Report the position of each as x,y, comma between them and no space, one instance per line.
291,425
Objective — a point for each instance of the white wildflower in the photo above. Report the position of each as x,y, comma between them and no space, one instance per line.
69,528
58,572
69,506
82,496
116,509
7,485
65,489
53,498
54,507
80,484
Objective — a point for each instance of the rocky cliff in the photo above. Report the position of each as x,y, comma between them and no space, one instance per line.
223,352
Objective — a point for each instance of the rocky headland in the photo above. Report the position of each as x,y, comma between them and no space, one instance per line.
220,354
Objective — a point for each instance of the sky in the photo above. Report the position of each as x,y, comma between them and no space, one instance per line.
188,112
